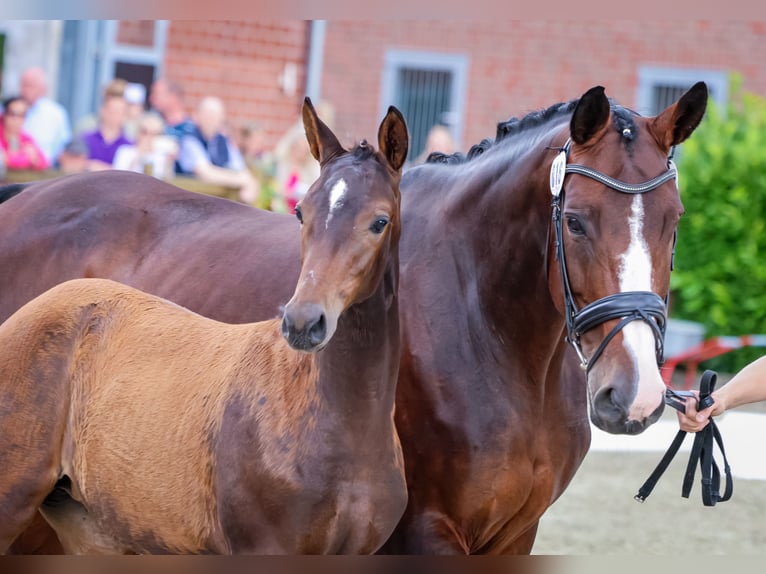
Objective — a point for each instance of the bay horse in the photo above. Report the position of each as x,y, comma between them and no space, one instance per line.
138,426
491,403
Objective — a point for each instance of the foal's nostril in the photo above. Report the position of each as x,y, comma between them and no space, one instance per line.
304,326
318,330
287,325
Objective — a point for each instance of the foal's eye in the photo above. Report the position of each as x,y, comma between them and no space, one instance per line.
379,225
299,214
575,226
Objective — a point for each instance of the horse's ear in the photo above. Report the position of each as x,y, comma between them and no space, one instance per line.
679,120
590,115
322,141
393,139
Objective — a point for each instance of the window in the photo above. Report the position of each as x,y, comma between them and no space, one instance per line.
134,51
429,89
93,52
660,87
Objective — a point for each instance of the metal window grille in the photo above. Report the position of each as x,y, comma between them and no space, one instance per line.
429,88
659,87
425,98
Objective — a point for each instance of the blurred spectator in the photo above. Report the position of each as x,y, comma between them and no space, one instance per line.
153,153
296,168
167,98
115,88
46,121
104,141
74,158
252,142
208,154
135,98
260,161
19,149
439,140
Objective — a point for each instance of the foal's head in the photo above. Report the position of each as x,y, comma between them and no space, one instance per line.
350,227
618,235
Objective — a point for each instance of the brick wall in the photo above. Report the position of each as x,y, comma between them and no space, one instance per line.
240,62
136,32
516,67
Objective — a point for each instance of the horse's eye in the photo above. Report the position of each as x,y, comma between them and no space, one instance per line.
379,225
299,214
575,226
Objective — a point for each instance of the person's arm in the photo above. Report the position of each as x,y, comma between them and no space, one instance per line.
36,157
193,158
747,386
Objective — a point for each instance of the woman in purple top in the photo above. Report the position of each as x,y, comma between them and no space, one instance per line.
103,143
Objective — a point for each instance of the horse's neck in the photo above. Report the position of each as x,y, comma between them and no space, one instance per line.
359,367
505,219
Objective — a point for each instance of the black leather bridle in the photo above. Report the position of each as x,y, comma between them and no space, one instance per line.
629,306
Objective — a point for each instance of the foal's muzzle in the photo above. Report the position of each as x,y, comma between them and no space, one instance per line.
304,326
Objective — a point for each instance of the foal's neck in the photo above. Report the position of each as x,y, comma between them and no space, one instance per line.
359,367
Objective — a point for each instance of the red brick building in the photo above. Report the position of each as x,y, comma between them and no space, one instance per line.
507,68
465,75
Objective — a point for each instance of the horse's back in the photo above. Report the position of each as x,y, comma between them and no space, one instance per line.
141,231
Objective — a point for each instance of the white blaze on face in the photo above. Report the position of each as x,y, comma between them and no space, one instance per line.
337,199
638,337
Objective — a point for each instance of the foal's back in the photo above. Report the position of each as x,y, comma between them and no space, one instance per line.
149,384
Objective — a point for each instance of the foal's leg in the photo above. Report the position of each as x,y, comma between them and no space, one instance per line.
32,423
22,491
38,538
28,460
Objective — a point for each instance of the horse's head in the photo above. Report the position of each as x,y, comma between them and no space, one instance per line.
616,206
350,227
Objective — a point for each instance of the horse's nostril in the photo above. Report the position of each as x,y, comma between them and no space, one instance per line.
318,330
286,325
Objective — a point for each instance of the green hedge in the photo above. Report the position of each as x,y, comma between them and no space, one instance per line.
720,275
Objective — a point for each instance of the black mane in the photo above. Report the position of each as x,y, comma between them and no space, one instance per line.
622,118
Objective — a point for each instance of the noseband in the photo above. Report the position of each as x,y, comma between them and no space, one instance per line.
629,306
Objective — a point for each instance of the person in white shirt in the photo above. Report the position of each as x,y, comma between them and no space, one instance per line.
46,121
206,153
154,153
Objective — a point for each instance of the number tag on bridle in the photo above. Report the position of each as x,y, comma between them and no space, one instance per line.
558,168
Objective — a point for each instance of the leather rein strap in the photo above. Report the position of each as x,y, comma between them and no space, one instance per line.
702,451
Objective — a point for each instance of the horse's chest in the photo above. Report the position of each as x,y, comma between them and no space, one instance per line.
351,512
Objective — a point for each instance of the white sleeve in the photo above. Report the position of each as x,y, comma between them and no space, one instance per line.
125,158
236,161
191,154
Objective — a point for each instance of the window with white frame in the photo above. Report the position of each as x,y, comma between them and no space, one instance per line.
429,89
659,87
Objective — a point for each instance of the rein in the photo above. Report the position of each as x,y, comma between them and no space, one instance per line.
629,306
702,451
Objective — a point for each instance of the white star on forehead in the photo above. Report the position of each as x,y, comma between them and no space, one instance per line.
337,198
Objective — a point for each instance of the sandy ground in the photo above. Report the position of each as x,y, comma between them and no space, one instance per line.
597,515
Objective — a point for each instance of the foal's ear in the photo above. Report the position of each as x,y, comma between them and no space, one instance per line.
322,141
590,115
679,120
393,140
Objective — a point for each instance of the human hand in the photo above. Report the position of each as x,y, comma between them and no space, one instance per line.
693,420
32,154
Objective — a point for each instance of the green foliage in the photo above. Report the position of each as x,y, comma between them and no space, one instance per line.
720,275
